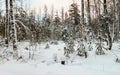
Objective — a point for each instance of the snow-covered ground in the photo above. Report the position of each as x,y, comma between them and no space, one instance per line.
43,62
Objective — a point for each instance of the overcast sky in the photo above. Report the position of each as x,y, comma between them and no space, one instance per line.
39,4
58,4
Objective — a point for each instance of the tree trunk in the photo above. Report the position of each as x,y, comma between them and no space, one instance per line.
13,29
114,37
118,16
82,10
88,13
105,7
7,23
62,14
105,12
52,12
96,8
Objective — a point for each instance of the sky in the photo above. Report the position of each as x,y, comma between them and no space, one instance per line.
39,4
58,4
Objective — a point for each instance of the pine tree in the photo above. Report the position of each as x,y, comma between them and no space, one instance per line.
75,17
57,25
69,49
81,48
64,35
46,24
90,39
99,45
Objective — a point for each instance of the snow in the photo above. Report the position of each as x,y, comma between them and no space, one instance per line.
43,62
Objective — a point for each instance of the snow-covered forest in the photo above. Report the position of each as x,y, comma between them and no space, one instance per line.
84,39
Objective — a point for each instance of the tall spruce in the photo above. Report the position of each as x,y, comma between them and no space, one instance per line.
75,17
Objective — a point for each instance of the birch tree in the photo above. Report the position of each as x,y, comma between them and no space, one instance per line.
13,33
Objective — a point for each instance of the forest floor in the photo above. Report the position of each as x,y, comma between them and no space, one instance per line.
43,61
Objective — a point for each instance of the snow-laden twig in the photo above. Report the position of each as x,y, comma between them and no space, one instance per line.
23,25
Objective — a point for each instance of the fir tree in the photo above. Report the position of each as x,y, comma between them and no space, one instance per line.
81,50
74,16
69,49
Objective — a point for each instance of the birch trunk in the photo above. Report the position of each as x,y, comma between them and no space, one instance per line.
13,29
